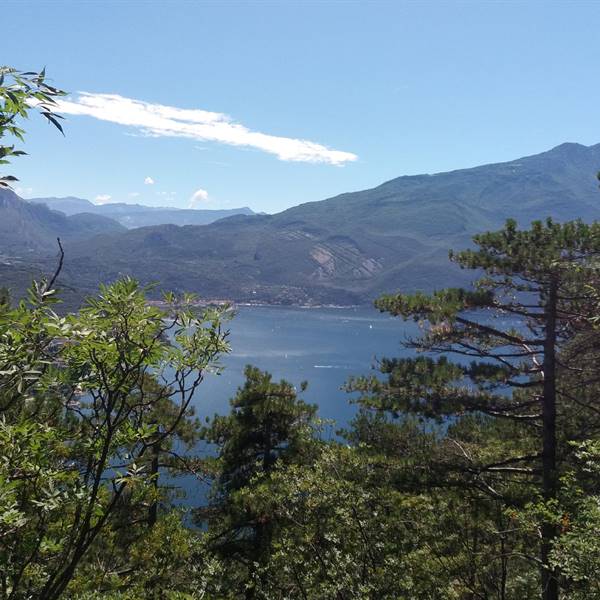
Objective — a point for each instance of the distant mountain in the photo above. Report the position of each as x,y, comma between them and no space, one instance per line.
350,248
138,215
70,205
27,228
344,250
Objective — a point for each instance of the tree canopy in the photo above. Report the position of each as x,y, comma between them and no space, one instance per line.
20,93
470,471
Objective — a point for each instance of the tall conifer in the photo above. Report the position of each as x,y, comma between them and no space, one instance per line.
509,337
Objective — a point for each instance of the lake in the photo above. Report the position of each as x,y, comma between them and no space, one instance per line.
323,346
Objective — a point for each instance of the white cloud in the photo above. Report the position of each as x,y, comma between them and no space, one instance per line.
133,194
158,120
20,191
102,199
199,197
149,181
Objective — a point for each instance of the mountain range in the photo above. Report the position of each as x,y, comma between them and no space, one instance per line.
138,215
346,249
33,228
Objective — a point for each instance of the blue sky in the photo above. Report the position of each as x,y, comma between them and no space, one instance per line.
379,89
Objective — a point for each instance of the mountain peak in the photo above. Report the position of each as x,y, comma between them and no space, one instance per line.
572,148
140,215
345,249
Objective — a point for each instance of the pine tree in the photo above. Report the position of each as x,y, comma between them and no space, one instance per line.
268,425
4,299
510,336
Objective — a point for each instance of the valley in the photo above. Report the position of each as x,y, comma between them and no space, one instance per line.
345,250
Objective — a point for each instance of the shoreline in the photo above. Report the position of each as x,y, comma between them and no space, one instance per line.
204,303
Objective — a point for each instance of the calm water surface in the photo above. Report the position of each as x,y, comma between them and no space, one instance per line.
322,346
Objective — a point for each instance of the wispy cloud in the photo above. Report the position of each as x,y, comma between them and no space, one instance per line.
102,199
20,191
133,194
158,120
148,181
198,198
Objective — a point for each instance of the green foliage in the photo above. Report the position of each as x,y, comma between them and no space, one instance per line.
267,423
343,533
519,339
268,426
473,548
577,552
168,560
20,92
383,518
497,330
82,411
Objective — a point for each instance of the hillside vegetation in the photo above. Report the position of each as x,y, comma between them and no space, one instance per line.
351,248
343,250
470,471
33,228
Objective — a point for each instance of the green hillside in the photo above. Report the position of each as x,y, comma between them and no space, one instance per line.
349,248
344,250
31,229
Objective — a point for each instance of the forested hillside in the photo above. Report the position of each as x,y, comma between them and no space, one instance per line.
471,469
344,250
350,248
32,229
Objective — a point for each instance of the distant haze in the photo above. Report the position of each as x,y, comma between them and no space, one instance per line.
270,104
138,215
344,250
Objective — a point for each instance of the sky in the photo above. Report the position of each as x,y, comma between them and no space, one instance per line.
271,104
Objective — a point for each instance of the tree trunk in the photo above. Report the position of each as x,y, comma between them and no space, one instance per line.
549,474
153,510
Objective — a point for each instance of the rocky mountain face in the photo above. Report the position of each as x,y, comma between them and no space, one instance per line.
350,248
27,228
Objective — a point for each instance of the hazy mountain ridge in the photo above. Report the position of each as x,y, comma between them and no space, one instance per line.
139,215
350,248
27,228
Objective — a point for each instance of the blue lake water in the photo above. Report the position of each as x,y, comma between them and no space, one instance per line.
322,346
